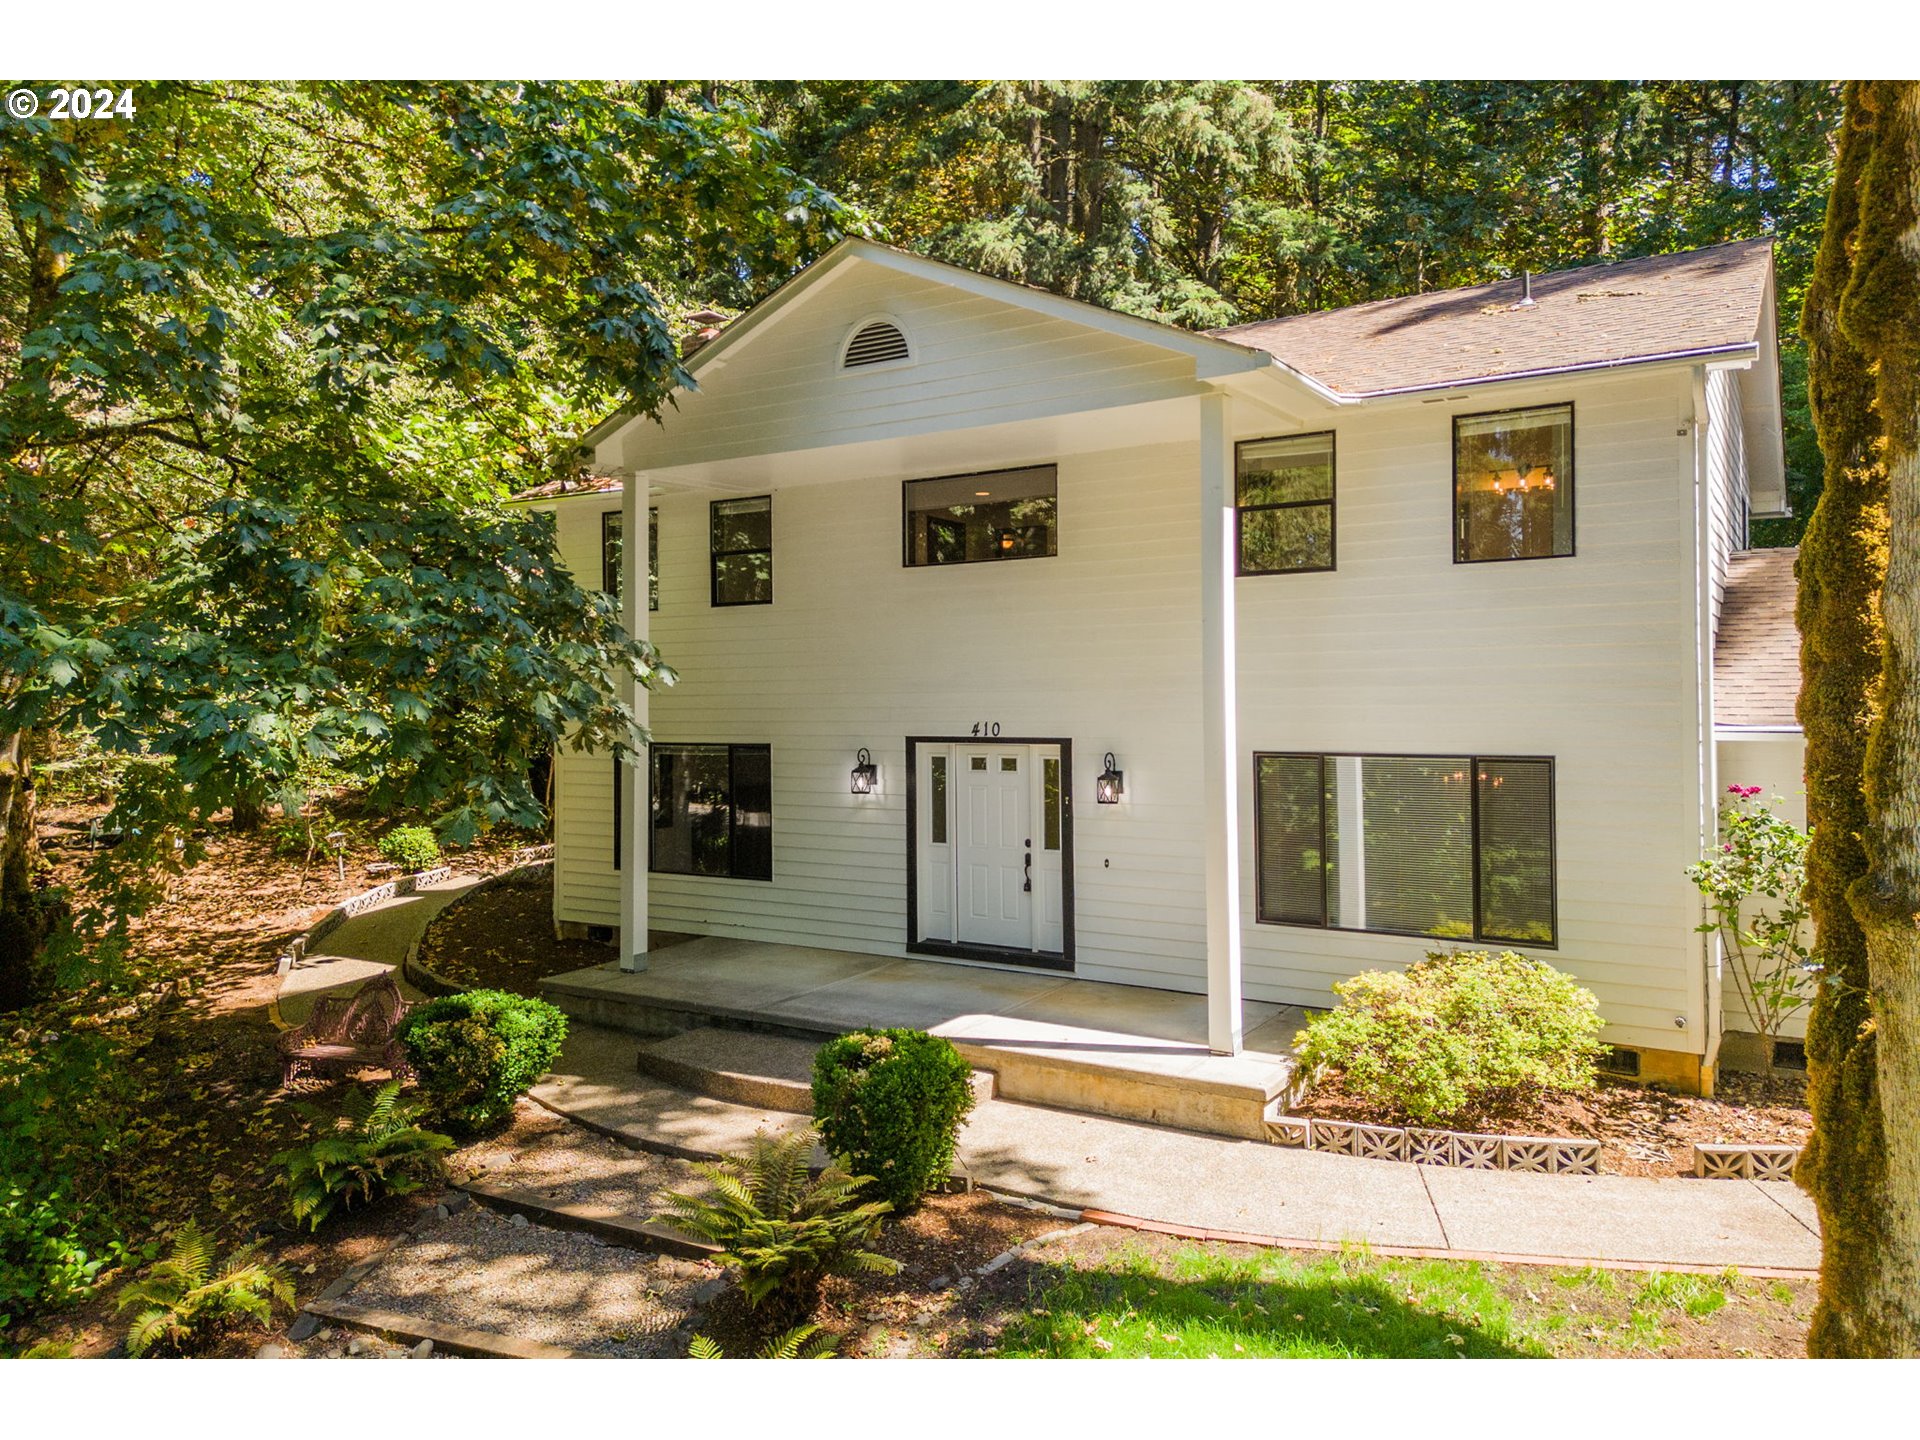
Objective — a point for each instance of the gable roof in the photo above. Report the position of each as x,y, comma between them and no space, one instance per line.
1697,303
1756,655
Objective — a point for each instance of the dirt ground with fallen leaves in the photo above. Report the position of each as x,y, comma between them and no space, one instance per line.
501,938
195,1108
1641,1130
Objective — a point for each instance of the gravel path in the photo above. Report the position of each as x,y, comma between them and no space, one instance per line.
559,1160
480,1270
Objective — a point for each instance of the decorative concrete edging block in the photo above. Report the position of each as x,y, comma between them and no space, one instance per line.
1745,1162
1527,1154
353,905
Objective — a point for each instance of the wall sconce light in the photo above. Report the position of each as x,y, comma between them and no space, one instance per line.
866,774
1110,785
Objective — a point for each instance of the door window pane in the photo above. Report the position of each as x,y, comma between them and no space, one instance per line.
1003,515
743,551
1513,484
1284,495
937,765
1050,803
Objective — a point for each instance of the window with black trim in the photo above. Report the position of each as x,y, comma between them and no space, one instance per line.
1513,484
1450,847
1283,504
743,551
712,808
996,515
612,524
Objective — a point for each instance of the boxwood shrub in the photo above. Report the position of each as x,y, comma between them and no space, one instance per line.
411,847
1458,1035
476,1053
891,1102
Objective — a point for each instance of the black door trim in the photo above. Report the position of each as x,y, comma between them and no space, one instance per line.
1029,959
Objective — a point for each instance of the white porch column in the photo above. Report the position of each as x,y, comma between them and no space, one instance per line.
1219,744
634,810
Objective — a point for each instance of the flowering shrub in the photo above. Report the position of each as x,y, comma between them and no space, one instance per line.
1458,1035
1754,880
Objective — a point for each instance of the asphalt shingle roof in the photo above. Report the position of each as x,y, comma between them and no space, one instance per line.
1631,310
1756,656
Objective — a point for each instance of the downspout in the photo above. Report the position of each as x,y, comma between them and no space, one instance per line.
1706,769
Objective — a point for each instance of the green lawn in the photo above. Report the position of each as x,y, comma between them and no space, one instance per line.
1199,1301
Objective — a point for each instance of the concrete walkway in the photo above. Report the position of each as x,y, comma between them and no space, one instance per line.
1205,1182
369,944
1171,1176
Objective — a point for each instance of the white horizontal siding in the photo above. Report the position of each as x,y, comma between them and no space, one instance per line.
1727,502
976,362
1588,659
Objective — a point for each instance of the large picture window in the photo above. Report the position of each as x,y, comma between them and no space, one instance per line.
612,523
1513,484
1453,847
743,551
1284,504
712,811
999,515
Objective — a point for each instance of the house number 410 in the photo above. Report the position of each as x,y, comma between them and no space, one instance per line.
986,729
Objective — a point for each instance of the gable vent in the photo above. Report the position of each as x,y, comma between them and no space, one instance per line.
875,344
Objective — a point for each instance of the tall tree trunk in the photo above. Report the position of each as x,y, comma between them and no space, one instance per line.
22,921
1881,314
1841,567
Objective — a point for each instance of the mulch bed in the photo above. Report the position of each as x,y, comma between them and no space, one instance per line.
1642,1131
502,938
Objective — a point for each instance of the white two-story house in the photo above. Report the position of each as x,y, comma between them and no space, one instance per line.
1016,632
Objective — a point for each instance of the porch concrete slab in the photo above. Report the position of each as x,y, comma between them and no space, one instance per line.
1618,1217
726,976
913,993
1134,1010
1274,1035
1012,1036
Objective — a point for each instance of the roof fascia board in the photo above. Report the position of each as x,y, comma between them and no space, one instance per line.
1748,348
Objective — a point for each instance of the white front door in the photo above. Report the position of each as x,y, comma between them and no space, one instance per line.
995,846
991,843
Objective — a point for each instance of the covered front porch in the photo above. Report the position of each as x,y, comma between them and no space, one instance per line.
1048,1039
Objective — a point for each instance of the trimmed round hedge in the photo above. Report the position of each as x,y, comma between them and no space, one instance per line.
477,1052
891,1103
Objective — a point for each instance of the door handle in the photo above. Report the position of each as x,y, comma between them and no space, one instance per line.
1027,883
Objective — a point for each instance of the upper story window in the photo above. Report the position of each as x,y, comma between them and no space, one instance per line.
1456,847
878,342
743,551
1513,484
1284,504
998,515
611,525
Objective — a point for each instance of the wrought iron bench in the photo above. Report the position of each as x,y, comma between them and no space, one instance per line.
349,1032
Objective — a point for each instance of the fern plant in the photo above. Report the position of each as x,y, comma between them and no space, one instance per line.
803,1342
782,1229
186,1302
373,1147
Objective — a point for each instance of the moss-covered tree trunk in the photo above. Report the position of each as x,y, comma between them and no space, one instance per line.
22,922
1842,564
1881,315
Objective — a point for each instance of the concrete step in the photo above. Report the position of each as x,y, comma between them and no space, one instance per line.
747,1067
1110,1053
